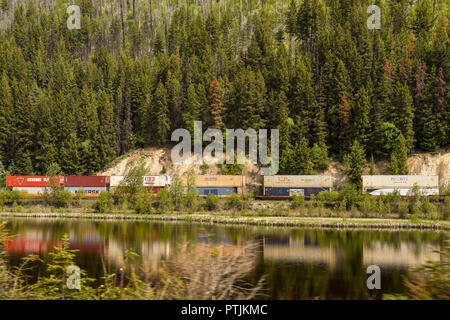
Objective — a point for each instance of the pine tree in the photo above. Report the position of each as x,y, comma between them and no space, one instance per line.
344,121
440,106
304,165
215,106
403,114
24,128
372,168
69,155
361,117
319,157
354,162
193,109
399,157
173,100
163,126
6,118
107,138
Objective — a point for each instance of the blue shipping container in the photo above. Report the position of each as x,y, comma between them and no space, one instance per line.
286,192
216,191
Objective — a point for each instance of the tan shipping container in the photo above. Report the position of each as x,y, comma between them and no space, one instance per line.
380,181
306,181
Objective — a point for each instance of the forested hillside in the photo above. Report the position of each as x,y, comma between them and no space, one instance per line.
138,69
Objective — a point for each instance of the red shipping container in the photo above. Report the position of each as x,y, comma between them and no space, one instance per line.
33,181
89,181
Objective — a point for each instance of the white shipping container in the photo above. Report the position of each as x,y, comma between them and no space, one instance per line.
307,181
32,190
399,182
404,192
156,181
115,181
147,181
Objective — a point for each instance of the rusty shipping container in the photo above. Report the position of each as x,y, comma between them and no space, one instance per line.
33,181
218,181
385,184
87,181
306,181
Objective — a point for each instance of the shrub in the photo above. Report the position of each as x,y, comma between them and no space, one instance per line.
191,195
165,201
234,202
328,196
61,197
105,202
428,207
143,203
9,196
16,207
402,209
297,201
383,206
176,192
446,208
366,204
350,194
132,182
212,202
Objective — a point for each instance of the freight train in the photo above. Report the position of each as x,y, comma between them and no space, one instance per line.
274,187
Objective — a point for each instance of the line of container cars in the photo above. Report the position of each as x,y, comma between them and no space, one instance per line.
274,187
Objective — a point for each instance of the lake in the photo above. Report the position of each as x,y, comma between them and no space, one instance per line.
297,263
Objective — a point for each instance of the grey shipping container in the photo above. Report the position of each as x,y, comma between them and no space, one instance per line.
286,192
216,191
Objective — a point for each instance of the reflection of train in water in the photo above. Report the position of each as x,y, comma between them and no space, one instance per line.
291,250
273,187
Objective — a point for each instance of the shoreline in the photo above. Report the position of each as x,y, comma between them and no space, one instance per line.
291,222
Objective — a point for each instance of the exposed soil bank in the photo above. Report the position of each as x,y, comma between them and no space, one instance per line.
338,223
158,160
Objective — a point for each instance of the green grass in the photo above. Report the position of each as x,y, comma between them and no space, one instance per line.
236,219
